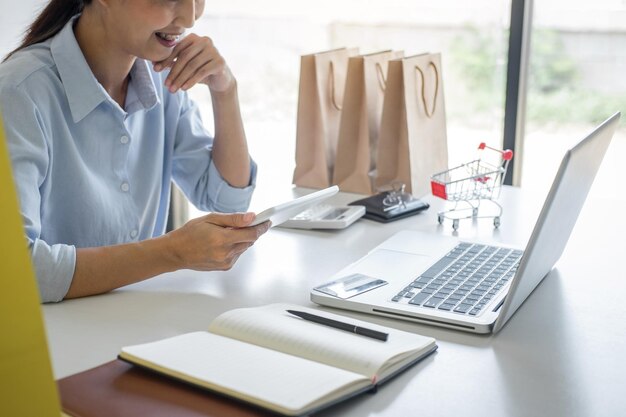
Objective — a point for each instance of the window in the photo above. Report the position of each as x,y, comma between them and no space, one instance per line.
576,80
262,42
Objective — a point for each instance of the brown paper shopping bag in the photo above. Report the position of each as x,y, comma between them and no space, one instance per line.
320,97
413,142
360,121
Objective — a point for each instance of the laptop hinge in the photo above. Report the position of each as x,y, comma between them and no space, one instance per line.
499,305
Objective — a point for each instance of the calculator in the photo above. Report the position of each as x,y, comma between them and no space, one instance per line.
325,216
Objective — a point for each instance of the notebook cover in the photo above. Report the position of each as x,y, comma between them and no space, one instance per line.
118,389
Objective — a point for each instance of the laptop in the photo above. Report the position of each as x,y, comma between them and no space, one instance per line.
464,285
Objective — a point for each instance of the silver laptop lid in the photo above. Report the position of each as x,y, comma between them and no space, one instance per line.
558,215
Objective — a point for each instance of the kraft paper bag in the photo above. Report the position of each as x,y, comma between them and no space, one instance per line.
413,142
355,166
320,100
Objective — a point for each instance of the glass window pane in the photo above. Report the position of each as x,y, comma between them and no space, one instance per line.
576,80
262,42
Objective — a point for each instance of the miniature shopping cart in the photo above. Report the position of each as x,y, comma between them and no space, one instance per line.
469,184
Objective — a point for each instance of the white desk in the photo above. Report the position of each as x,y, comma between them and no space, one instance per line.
562,354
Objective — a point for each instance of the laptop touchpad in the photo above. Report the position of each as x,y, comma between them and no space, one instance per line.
390,265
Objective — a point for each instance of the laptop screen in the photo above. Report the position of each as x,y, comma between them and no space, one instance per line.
559,214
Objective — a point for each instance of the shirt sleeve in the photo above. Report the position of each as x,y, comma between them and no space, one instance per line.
54,264
193,168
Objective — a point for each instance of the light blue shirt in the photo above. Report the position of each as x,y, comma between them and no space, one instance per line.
90,173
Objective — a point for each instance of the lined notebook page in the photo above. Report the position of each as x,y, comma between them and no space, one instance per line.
262,376
271,326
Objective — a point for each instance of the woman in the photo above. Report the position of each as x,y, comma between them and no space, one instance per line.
99,123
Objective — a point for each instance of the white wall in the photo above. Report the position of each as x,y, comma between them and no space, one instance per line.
15,16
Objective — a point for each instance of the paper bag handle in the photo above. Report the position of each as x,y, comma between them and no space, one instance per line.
429,113
382,80
331,79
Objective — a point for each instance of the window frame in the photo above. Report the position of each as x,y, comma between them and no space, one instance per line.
516,86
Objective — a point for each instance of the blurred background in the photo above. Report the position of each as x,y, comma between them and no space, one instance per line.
576,70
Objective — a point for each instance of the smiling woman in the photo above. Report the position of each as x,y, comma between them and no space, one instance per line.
99,124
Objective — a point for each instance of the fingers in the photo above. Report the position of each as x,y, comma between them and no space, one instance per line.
193,60
230,220
248,234
237,251
187,61
231,253
195,64
239,226
169,61
216,66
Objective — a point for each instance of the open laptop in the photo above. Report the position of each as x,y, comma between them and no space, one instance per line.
469,286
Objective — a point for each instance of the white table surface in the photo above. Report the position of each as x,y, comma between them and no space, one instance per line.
562,354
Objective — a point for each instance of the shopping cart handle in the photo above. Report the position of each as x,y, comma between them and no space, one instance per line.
507,154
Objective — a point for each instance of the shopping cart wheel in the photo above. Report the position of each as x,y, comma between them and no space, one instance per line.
440,218
496,222
455,224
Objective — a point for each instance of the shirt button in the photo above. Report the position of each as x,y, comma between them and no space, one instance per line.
133,234
125,187
124,139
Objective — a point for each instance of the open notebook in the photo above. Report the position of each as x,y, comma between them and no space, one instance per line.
269,358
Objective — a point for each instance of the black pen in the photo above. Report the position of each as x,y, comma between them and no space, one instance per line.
340,325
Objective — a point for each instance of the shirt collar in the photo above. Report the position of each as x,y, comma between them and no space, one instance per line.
141,93
84,92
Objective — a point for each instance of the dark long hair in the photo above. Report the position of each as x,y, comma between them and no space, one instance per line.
50,22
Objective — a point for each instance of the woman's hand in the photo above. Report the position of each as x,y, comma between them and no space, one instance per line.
215,241
195,59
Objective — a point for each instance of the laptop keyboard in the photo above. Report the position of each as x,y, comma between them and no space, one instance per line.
464,281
